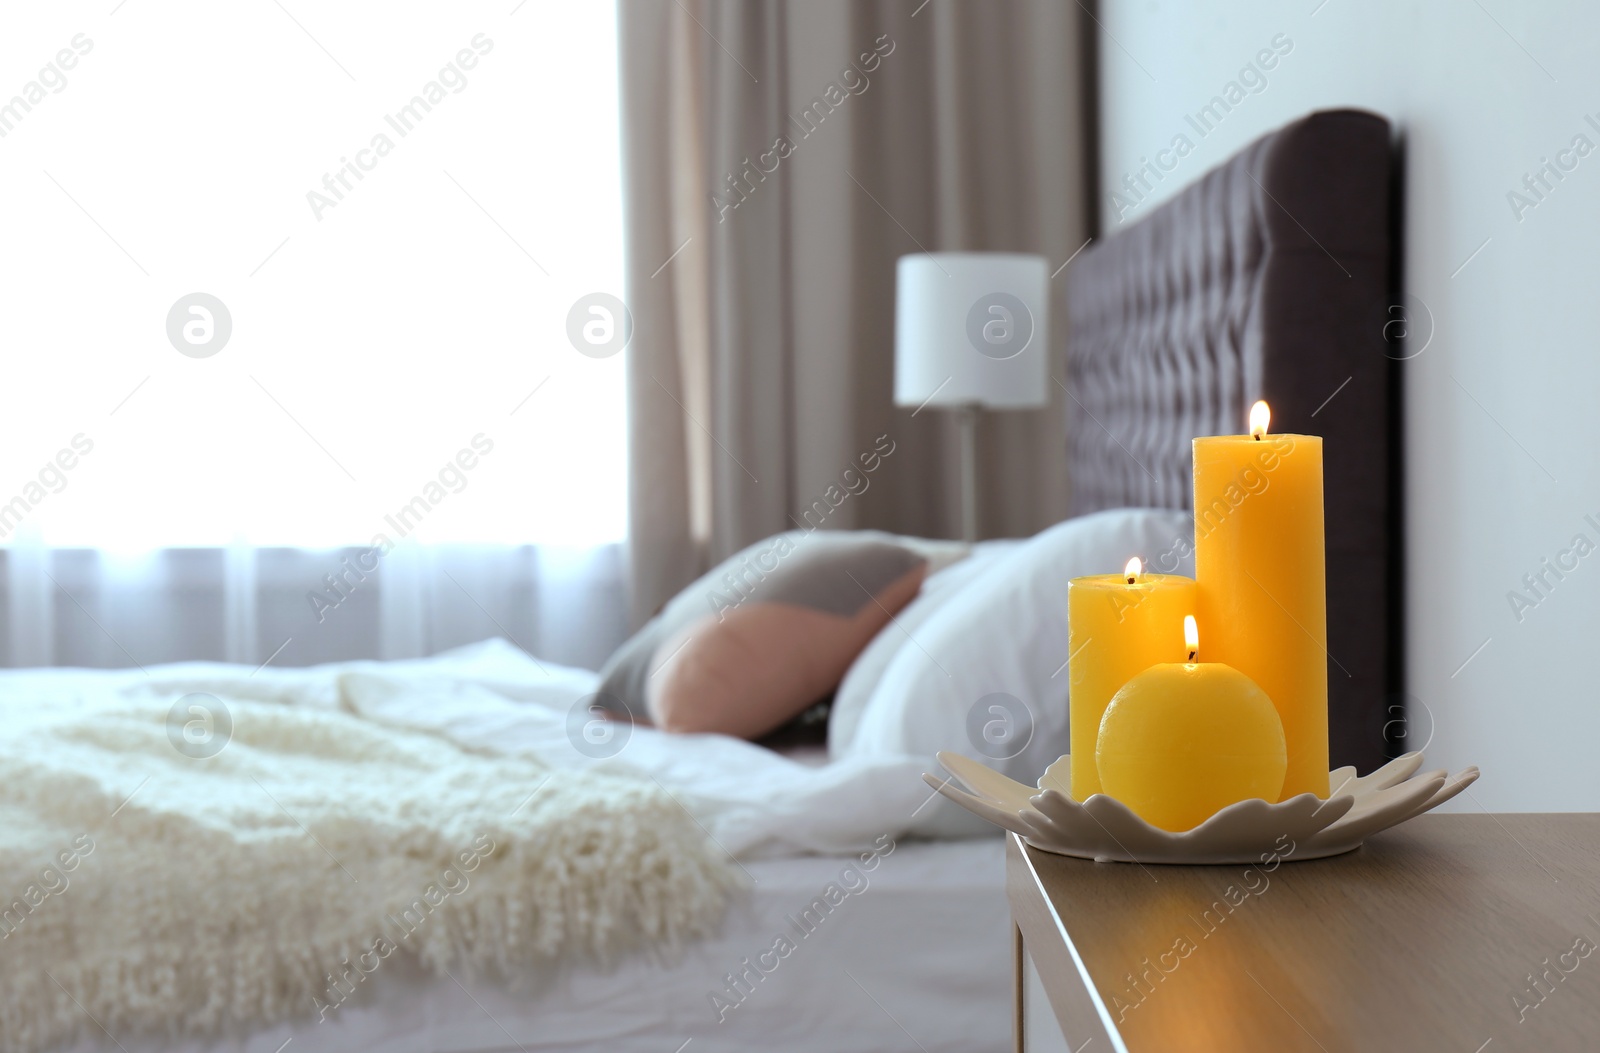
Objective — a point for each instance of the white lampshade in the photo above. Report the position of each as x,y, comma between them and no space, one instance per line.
972,329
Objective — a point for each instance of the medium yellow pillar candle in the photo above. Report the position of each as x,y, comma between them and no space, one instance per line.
1259,565
1182,741
1117,625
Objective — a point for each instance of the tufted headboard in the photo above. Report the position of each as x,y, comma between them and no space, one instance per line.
1269,277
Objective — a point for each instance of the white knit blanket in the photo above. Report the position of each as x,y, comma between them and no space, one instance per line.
151,891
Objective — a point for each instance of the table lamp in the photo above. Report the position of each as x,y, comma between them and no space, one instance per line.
971,331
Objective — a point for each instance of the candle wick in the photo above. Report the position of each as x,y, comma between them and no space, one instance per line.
1257,437
1192,654
1130,580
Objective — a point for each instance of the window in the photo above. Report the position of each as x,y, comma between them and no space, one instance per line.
391,218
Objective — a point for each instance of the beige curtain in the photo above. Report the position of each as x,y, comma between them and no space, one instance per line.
778,158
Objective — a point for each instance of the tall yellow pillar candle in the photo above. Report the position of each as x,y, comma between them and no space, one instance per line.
1118,625
1259,565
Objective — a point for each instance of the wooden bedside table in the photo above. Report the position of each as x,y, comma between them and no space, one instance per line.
1466,933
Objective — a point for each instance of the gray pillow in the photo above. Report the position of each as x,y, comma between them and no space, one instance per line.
765,634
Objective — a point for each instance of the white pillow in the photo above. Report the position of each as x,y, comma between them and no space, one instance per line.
983,672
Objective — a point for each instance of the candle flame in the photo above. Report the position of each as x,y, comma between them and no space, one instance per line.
1133,570
1191,636
1260,417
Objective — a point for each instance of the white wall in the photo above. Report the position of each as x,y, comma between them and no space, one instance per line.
1502,425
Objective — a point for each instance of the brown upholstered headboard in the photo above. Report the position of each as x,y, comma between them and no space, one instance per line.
1268,278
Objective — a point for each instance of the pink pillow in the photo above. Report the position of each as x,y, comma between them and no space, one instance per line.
764,636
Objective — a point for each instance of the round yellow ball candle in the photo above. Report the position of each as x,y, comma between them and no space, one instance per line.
1183,740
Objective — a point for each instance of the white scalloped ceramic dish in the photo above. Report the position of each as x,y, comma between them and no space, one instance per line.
1105,830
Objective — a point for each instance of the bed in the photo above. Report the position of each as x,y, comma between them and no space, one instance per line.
915,952
1267,278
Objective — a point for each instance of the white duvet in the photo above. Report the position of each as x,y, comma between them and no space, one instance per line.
492,696
753,802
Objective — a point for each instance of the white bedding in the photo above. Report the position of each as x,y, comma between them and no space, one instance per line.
492,696
755,803
924,946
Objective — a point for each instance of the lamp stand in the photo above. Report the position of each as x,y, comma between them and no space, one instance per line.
967,416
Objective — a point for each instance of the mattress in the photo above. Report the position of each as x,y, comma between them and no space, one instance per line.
917,957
